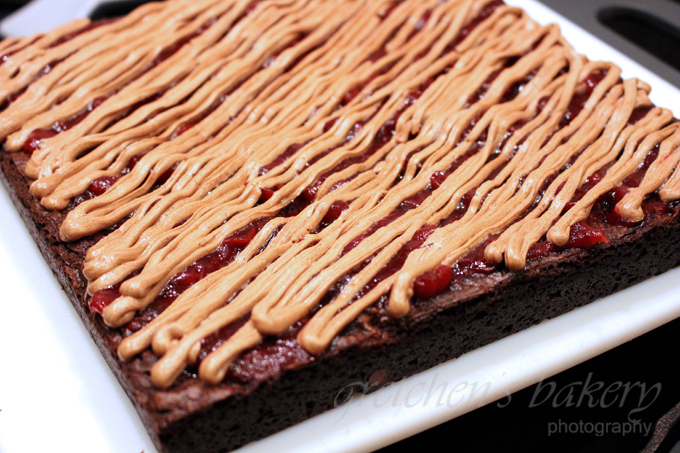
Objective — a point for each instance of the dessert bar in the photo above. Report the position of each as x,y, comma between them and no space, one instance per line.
254,204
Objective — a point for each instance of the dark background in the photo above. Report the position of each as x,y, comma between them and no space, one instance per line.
650,359
523,421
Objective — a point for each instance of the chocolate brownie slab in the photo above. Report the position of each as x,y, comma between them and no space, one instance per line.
248,222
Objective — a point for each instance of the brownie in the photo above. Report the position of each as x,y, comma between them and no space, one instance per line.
195,417
277,383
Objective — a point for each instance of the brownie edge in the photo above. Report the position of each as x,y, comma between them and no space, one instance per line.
221,420
64,263
524,301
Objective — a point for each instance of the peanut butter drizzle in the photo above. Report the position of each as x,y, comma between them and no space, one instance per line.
258,80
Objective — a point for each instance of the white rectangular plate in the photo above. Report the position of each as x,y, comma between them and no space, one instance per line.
57,393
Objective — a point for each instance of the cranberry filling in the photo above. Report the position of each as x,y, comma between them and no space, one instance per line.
651,205
217,338
91,26
583,235
438,280
277,354
102,298
433,282
638,114
101,185
397,261
225,254
34,138
485,12
104,183
333,213
579,99
6,56
287,154
274,355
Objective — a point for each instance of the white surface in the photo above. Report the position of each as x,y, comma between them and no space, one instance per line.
81,407
56,391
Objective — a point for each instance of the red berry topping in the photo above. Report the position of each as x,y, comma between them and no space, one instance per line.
102,298
433,282
334,211
584,236
101,185
34,138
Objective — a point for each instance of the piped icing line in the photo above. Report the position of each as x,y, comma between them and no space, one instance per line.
9,46
249,287
312,146
116,192
208,89
658,172
201,221
254,312
73,76
516,241
515,199
630,160
418,213
163,76
143,290
671,188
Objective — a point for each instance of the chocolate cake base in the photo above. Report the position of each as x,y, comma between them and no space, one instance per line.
194,417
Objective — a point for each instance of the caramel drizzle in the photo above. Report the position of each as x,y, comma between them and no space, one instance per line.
261,79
